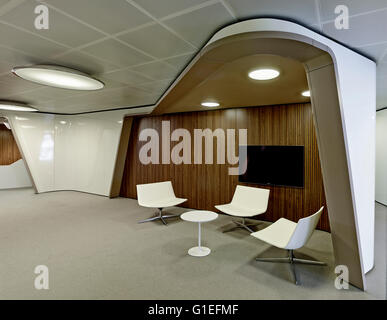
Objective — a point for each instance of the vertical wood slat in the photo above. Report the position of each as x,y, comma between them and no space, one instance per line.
9,151
207,185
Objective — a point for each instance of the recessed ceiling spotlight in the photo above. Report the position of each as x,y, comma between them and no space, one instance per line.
15,106
57,76
306,93
210,104
264,74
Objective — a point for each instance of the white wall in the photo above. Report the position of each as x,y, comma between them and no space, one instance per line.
70,152
381,157
14,175
34,134
85,152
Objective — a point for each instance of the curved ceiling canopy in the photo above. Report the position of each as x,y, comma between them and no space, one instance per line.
221,73
231,86
59,77
339,93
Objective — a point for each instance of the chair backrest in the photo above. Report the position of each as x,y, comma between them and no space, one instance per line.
251,198
304,230
151,192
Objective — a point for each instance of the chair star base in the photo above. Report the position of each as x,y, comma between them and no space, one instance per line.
161,217
292,260
242,225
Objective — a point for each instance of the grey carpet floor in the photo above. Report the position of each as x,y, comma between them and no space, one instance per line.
95,249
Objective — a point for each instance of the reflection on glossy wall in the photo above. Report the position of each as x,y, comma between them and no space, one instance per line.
70,152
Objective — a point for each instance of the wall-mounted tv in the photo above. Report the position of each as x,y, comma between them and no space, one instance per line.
273,165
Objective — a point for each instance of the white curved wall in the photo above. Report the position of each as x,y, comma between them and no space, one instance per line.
71,152
14,175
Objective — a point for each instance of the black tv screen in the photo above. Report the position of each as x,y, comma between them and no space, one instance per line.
273,165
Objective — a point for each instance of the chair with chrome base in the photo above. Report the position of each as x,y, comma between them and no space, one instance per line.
286,234
247,202
158,195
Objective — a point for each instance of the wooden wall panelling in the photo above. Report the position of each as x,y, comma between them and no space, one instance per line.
121,158
9,152
207,185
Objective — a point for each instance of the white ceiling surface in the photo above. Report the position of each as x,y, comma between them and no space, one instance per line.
139,47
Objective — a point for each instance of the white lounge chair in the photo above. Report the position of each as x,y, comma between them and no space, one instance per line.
247,202
158,195
286,234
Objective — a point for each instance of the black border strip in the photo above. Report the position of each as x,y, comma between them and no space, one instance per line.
96,111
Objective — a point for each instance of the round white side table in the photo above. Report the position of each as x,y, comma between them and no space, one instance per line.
199,217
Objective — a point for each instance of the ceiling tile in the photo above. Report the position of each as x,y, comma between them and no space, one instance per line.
108,16
28,43
109,84
126,76
157,70
327,7
363,30
156,87
376,51
15,57
156,41
303,11
117,53
382,70
19,83
384,59
11,85
5,67
84,62
3,2
180,62
61,28
199,25
8,5
36,97
115,98
166,7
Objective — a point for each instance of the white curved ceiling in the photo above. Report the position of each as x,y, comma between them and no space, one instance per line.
139,47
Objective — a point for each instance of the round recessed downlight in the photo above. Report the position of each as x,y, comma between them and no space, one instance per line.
210,104
15,106
306,93
264,74
60,77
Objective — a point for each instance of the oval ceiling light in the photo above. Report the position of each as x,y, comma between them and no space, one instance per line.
306,93
264,74
57,76
15,106
210,104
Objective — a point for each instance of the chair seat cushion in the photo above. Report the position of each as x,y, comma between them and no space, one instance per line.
277,234
163,203
237,211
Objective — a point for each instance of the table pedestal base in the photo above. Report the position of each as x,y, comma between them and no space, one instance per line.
199,251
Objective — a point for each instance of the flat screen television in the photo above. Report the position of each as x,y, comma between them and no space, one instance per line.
273,165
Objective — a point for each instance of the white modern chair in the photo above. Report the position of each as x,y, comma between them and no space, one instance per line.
247,202
158,195
286,234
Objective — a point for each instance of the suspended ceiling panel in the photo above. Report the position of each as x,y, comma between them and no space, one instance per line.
142,46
